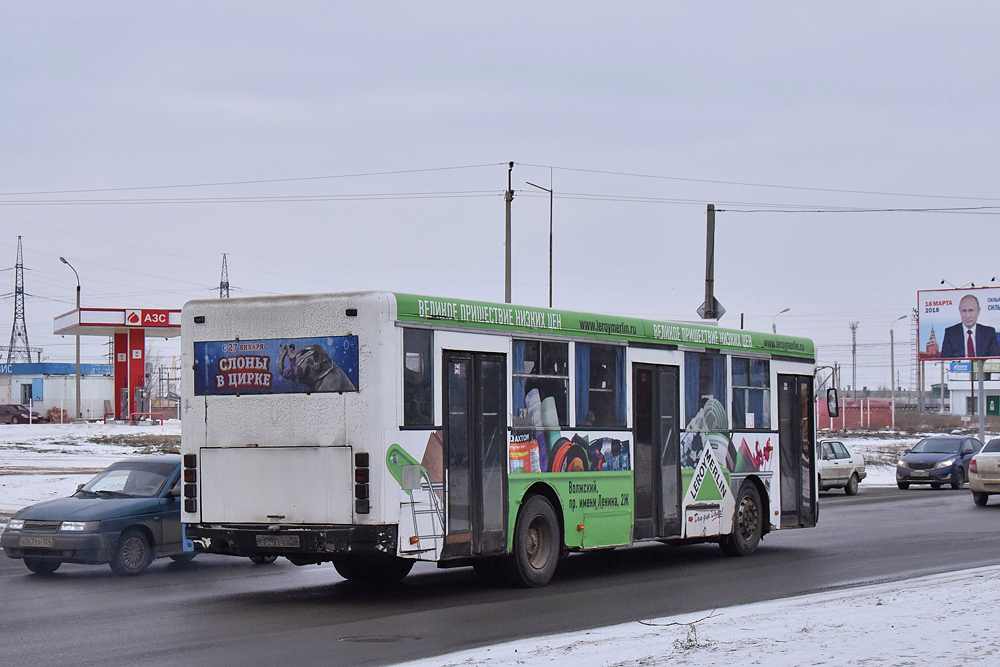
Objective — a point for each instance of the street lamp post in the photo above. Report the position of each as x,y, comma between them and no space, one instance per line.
892,369
549,190
78,413
774,327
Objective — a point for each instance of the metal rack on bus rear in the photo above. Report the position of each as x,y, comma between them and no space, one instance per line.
413,477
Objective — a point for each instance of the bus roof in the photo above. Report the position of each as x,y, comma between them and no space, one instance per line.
526,319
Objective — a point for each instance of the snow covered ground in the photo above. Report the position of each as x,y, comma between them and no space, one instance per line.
937,620
44,461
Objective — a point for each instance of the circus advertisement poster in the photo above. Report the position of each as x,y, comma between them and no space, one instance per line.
276,366
958,323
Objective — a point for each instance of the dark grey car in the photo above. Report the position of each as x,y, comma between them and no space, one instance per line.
126,516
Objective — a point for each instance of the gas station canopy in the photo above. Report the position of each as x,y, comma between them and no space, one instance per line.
111,321
128,328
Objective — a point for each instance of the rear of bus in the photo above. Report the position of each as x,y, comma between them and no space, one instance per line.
279,434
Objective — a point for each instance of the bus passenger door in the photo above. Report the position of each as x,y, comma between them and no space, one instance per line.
475,435
797,458
657,447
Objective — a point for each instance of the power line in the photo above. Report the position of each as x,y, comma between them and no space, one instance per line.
257,199
250,182
757,185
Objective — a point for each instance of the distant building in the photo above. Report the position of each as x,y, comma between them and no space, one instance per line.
47,386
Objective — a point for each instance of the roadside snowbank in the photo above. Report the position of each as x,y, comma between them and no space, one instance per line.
44,461
936,620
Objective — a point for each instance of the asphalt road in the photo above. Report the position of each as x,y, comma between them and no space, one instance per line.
225,611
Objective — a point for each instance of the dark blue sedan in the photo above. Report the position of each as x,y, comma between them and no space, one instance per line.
938,460
126,516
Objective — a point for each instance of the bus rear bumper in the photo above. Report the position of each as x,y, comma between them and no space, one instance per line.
313,543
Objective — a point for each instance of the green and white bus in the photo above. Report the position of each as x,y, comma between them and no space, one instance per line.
375,429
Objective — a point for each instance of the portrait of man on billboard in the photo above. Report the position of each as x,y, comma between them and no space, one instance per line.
969,339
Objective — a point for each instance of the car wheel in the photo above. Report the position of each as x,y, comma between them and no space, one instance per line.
980,498
46,566
748,526
852,485
935,485
536,544
132,555
959,481
903,485
263,560
15,420
183,558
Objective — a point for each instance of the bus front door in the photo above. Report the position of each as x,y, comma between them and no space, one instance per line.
657,447
475,431
797,456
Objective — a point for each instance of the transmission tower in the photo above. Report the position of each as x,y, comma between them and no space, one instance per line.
224,282
18,348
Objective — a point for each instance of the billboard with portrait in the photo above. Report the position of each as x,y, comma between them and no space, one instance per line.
958,323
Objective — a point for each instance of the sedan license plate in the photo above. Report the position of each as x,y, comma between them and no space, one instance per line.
920,473
278,541
37,541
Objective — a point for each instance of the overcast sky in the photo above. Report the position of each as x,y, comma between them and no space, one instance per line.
343,146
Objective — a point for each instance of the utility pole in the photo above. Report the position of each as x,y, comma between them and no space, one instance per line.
854,359
892,370
508,198
711,309
549,190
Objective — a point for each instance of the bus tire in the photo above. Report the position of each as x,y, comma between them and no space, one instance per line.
536,544
373,569
747,524
490,570
42,565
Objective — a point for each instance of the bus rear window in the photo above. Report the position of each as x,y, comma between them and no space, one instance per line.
418,377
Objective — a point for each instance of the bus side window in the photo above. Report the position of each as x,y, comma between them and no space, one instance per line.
600,385
418,377
751,393
541,367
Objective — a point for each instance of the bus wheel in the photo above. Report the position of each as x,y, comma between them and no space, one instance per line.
748,526
265,559
491,571
375,569
45,566
536,544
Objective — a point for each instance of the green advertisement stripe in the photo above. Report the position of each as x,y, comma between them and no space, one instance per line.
525,319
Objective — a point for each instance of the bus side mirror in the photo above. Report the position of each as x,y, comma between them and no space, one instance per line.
832,404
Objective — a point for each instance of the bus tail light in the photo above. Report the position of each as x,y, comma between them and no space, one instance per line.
362,501
190,475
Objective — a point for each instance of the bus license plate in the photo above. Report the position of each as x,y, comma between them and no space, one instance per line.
37,541
278,541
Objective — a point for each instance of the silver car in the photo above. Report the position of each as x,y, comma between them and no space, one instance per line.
984,472
839,468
